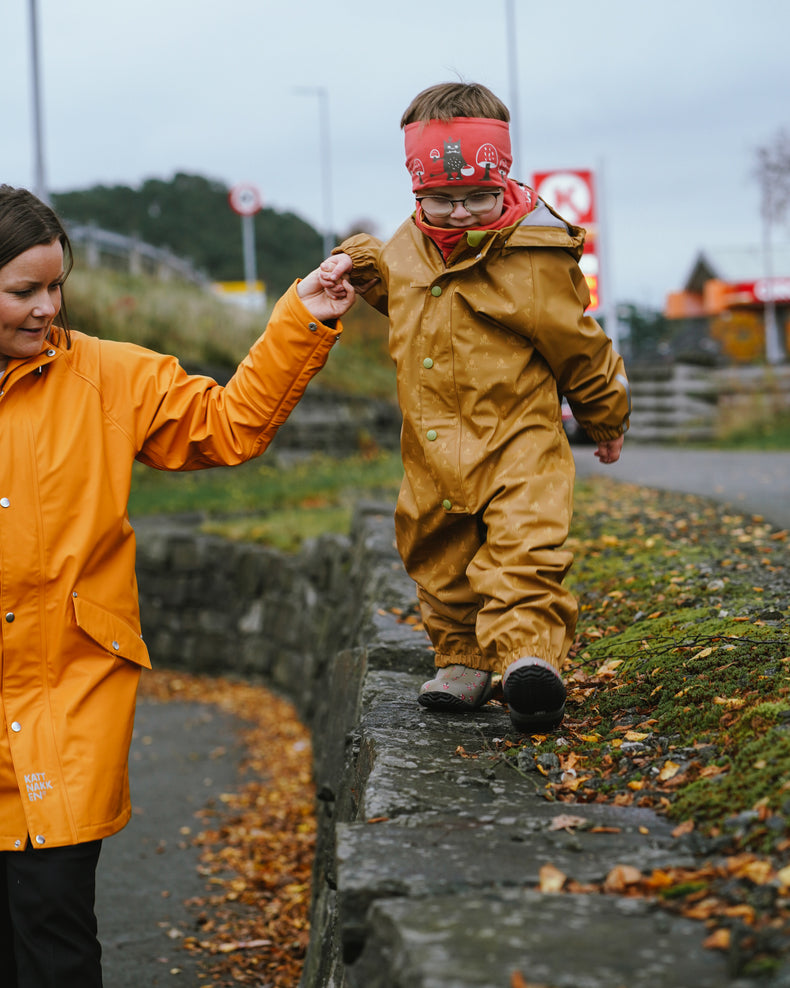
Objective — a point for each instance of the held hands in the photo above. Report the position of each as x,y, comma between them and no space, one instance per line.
325,301
609,451
332,271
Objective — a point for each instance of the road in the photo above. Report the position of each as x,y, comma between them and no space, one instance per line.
751,482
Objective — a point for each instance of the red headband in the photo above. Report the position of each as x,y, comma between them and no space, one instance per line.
467,150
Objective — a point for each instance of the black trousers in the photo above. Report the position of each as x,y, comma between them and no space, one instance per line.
47,919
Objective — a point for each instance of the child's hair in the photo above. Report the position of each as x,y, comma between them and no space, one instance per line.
454,99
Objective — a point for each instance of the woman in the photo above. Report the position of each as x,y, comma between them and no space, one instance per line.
75,412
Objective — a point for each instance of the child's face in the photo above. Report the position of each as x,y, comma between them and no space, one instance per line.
469,206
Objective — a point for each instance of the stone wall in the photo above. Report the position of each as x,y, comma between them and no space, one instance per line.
430,838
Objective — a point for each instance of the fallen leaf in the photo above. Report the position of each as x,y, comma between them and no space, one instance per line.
551,879
668,770
565,822
620,877
683,828
718,940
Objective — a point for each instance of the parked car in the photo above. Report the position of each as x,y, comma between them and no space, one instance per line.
573,430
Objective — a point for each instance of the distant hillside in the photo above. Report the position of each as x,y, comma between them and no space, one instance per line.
191,216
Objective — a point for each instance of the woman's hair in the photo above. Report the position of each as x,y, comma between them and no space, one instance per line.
454,99
26,222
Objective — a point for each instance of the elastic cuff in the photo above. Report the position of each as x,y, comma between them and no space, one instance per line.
472,660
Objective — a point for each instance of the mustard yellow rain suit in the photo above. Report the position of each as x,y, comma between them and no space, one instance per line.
484,344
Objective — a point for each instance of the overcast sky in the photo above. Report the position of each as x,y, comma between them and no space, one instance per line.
666,102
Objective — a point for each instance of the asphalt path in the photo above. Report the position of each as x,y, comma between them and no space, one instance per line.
753,483
183,757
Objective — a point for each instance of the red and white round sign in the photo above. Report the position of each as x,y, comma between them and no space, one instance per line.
245,199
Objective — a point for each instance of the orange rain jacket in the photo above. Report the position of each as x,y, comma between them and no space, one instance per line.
72,421
484,344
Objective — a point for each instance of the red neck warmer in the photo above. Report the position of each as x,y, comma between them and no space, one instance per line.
518,201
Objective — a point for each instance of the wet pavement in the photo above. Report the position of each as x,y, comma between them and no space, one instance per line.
184,755
751,482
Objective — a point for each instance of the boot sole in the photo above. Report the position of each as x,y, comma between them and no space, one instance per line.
443,701
536,698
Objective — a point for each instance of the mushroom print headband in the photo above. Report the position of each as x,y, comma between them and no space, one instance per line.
467,150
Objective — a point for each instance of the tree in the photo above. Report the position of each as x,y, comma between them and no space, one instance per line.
773,176
190,215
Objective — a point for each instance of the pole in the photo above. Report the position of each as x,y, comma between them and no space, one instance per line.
512,61
773,346
609,308
39,180
326,160
326,169
248,245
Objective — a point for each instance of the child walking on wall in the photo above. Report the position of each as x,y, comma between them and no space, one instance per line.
486,305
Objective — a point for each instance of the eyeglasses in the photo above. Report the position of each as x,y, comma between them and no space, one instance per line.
477,202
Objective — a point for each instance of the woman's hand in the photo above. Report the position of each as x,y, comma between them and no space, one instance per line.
325,301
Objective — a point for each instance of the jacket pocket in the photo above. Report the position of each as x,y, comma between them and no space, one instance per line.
111,632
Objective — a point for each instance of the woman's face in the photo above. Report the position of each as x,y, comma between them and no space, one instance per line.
30,288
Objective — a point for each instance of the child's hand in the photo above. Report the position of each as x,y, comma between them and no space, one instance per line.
609,451
332,270
325,302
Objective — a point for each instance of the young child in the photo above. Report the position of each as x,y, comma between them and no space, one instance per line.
486,305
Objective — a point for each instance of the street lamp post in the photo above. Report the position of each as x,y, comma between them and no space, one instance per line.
512,61
39,180
773,346
326,163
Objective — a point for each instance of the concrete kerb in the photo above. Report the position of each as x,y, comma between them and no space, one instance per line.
429,861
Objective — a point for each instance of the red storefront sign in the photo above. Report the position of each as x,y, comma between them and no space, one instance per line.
571,192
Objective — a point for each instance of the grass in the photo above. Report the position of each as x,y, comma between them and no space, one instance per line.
684,638
264,501
771,434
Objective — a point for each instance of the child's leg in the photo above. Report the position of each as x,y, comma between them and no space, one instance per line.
435,551
527,618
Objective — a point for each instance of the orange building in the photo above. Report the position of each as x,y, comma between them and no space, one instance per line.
724,299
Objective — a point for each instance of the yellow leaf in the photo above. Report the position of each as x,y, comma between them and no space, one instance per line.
704,653
635,736
784,877
718,940
551,879
756,871
731,702
669,770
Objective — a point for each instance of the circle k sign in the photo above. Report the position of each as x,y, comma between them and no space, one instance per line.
569,192
245,199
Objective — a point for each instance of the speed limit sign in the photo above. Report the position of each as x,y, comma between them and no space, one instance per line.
245,199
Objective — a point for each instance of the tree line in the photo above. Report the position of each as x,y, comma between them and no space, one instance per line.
191,216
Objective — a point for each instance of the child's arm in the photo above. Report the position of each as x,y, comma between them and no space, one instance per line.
358,259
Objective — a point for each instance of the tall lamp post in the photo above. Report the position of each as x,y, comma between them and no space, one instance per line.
512,61
326,162
39,180
773,346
